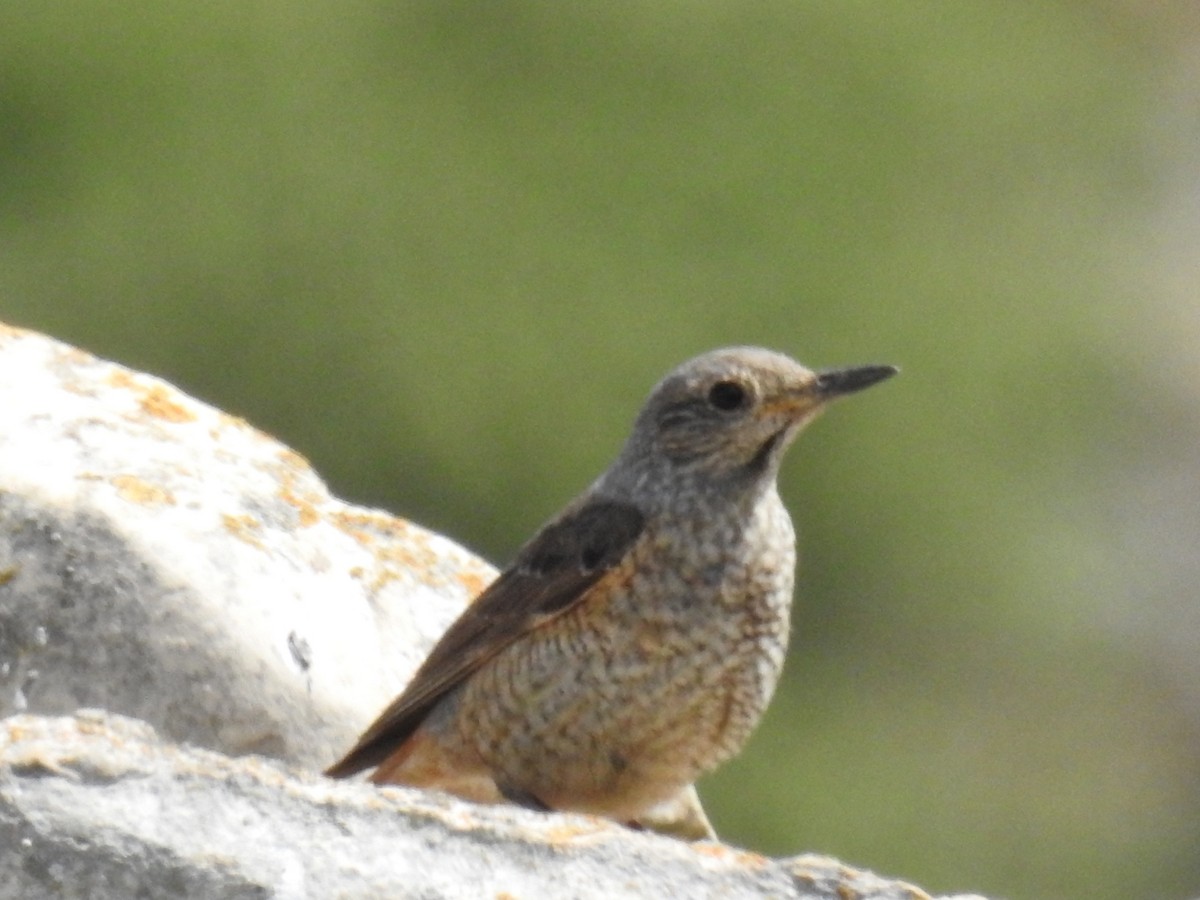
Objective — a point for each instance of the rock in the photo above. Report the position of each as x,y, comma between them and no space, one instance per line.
165,562
95,806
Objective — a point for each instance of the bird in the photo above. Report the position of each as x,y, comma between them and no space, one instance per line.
636,639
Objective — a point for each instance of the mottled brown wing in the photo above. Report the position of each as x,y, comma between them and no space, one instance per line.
549,576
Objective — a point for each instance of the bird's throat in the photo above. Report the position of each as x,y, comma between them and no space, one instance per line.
761,461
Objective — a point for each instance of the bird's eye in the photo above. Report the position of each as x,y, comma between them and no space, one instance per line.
727,396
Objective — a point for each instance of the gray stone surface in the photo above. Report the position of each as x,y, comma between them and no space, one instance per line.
162,559
95,806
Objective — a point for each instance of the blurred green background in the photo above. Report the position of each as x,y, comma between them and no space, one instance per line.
444,249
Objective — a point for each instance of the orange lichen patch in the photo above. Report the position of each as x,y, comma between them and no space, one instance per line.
135,490
384,576
584,827
366,527
473,582
157,402
404,552
308,512
408,555
229,420
7,575
345,522
303,504
298,461
411,551
400,550
245,528
380,524
724,853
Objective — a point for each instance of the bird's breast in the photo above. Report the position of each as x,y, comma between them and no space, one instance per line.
660,672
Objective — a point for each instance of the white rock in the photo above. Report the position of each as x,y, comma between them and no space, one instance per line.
162,559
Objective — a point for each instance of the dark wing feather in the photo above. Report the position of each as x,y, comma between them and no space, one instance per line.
549,576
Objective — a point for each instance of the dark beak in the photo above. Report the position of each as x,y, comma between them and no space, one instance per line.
836,382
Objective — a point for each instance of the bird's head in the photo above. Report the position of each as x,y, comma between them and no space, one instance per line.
730,414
